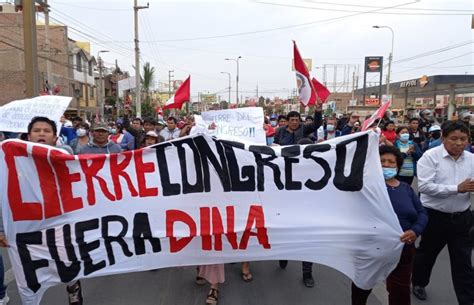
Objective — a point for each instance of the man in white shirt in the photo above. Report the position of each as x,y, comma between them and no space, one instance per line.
445,181
171,131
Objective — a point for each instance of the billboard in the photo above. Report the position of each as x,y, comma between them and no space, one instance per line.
373,64
208,98
307,61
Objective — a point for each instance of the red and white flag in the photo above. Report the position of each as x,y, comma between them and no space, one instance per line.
321,91
307,95
182,95
377,115
310,92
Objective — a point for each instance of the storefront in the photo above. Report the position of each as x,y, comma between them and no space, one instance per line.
427,92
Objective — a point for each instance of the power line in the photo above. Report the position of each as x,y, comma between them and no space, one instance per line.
283,27
437,51
88,36
67,65
371,6
353,11
438,62
88,29
94,8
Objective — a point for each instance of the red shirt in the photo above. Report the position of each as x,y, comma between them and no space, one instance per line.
390,135
269,130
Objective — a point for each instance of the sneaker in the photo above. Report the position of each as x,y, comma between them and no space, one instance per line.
283,264
419,292
308,280
5,300
75,294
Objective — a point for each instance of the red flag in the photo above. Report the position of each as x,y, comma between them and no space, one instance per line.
321,91
182,95
377,115
307,94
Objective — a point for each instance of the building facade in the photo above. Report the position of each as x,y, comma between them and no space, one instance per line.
72,67
427,92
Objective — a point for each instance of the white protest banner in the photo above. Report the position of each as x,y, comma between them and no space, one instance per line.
15,116
192,201
126,84
240,124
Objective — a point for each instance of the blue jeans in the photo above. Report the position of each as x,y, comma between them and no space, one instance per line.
3,288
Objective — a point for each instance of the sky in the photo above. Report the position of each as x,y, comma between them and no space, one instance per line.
194,38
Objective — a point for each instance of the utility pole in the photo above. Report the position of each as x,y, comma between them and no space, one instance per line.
257,93
29,42
47,46
101,93
170,75
228,74
137,59
353,84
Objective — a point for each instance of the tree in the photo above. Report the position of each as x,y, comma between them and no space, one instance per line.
148,79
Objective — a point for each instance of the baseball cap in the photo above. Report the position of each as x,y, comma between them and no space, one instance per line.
151,133
273,117
161,122
465,115
100,126
434,128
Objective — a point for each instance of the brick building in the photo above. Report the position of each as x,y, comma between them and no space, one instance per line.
68,77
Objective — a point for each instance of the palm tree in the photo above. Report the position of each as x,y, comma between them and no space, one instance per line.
148,79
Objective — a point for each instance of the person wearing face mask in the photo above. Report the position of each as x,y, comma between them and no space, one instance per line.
328,131
82,133
274,120
117,136
411,153
269,128
413,219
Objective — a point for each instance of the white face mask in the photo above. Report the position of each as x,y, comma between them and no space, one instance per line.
330,127
81,132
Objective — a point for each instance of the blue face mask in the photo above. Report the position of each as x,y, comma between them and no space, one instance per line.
389,172
273,123
404,137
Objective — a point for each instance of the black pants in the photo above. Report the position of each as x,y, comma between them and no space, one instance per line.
452,230
307,267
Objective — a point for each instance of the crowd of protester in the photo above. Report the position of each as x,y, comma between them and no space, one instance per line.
439,156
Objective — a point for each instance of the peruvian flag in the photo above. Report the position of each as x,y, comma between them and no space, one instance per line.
182,95
321,91
377,115
310,92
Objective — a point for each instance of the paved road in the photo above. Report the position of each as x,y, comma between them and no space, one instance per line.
271,286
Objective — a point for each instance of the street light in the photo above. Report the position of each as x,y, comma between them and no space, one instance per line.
390,57
237,78
101,93
229,84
